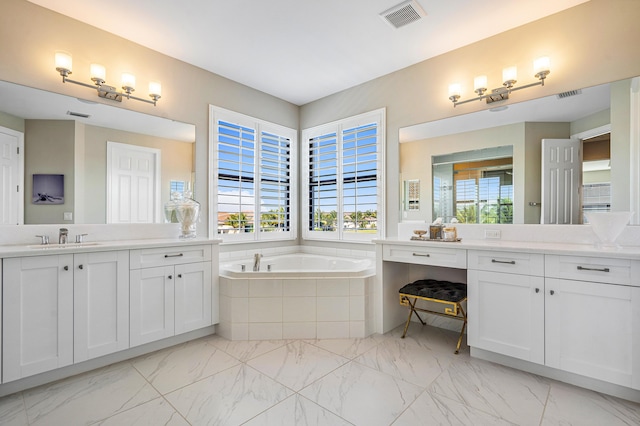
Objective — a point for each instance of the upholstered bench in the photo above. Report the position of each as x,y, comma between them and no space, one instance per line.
445,292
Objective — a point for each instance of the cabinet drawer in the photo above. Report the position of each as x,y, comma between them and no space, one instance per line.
596,269
510,262
449,257
148,258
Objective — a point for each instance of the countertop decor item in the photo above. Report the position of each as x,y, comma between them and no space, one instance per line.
187,213
608,226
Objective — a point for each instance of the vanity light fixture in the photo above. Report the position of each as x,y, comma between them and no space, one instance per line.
64,65
509,79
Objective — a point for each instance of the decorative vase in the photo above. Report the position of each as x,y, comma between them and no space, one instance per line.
170,214
187,212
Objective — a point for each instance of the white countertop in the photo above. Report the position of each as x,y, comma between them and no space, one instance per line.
590,250
20,250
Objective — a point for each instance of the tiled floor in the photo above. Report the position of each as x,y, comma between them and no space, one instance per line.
380,380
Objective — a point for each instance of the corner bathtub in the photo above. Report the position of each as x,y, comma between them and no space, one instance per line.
297,296
299,265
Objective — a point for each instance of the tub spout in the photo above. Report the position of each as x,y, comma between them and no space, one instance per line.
256,262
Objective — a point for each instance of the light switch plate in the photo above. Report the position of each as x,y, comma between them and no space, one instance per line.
492,234
67,216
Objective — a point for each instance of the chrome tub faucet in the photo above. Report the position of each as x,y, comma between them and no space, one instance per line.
256,262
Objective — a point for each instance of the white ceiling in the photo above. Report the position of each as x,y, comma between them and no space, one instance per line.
302,50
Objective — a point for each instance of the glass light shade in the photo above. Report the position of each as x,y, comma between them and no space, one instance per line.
128,80
510,73
98,72
455,90
480,82
541,64
63,60
155,88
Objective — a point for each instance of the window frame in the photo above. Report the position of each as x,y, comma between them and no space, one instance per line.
260,127
378,117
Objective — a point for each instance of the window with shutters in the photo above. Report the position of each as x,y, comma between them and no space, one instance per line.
343,177
254,178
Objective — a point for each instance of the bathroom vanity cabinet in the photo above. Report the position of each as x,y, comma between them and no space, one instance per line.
64,308
567,312
170,292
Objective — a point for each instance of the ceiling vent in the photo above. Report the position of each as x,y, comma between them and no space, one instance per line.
570,93
403,14
78,114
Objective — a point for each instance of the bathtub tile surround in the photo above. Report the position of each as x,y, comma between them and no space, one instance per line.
336,388
255,307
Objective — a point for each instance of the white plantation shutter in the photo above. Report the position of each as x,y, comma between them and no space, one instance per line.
275,183
343,177
254,165
323,183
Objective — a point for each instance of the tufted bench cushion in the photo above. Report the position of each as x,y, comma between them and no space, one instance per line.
435,289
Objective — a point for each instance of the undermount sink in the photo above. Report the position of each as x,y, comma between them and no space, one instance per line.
58,246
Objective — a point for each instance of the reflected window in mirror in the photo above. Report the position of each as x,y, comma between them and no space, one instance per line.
474,186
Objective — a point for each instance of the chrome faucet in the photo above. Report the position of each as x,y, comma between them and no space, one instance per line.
62,236
256,262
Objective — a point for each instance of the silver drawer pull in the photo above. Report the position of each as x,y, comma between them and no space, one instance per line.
582,268
510,262
173,255
421,255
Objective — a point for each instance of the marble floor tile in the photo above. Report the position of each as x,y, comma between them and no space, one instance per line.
571,405
153,413
178,366
433,409
513,395
228,398
297,364
348,348
362,395
407,360
244,350
299,411
89,397
12,410
431,338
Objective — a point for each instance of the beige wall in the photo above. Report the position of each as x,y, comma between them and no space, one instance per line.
48,149
29,36
590,44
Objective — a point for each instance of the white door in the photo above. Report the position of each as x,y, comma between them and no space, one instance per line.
152,304
11,177
38,315
133,184
193,296
101,303
506,314
590,330
561,181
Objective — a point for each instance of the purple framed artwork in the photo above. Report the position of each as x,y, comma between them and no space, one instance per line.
48,189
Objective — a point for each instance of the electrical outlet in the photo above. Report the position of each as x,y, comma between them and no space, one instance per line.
67,216
492,234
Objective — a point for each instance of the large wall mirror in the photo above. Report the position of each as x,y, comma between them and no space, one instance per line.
117,165
488,166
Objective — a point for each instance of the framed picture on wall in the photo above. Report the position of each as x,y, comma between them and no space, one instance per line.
48,189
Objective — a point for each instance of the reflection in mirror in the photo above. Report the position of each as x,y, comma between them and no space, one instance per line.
474,186
598,115
57,134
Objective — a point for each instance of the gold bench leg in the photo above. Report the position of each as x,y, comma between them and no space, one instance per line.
412,310
464,326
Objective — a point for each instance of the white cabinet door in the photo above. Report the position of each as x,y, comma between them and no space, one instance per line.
152,304
635,333
590,329
506,314
38,315
101,303
193,296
